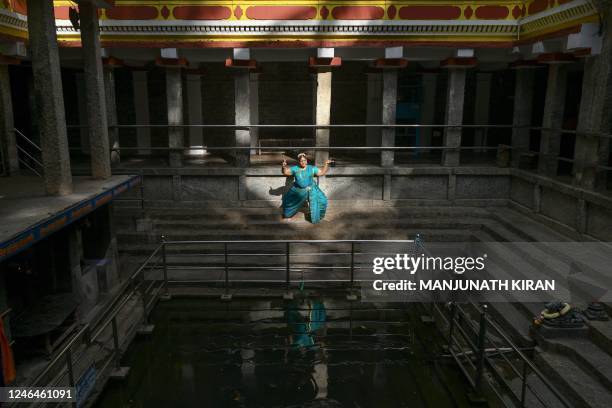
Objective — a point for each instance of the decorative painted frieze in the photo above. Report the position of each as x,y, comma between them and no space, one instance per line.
178,23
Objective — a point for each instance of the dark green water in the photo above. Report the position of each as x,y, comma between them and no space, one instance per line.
311,352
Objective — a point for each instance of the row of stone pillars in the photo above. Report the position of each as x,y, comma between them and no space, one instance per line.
101,110
50,101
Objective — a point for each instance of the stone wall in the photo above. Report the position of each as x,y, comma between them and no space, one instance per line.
255,187
579,213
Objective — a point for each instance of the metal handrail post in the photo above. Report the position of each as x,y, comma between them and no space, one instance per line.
287,264
482,332
69,367
453,311
70,370
164,260
115,342
524,384
352,264
145,318
225,254
142,193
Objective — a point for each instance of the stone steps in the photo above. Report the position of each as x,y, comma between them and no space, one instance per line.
525,227
586,354
582,388
187,213
264,225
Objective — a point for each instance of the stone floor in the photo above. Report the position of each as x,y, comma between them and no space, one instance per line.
23,202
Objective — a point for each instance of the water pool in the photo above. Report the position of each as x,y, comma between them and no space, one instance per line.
313,351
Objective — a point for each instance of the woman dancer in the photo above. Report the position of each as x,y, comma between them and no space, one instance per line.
305,189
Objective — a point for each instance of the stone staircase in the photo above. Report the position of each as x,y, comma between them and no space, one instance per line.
581,365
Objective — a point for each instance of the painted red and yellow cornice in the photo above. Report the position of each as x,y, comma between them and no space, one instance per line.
305,23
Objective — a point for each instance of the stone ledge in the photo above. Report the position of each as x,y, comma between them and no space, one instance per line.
576,192
468,202
274,171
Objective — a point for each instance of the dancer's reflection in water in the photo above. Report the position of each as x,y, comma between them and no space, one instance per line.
306,319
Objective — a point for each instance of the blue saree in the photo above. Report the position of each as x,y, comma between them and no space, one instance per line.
304,188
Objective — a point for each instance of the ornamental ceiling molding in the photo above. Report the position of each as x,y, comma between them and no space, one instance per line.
497,21
350,28
13,24
577,11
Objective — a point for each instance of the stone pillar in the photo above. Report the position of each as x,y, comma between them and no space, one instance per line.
111,113
242,102
174,100
254,104
554,105
50,100
428,108
7,132
373,111
194,112
323,83
595,105
454,115
523,103
389,108
481,111
141,108
79,78
94,85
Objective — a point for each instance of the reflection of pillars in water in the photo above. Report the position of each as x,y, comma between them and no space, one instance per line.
187,379
351,322
247,368
379,375
321,376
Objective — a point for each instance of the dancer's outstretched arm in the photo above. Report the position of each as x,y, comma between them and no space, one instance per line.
285,169
325,169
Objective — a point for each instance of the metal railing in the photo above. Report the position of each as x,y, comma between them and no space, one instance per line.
100,343
556,155
478,344
284,262
29,153
139,198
